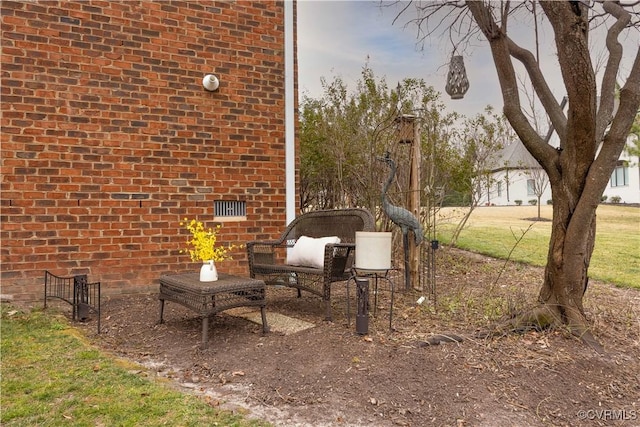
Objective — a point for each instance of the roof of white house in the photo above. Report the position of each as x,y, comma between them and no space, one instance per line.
513,156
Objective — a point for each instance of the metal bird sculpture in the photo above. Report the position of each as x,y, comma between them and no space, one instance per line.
399,215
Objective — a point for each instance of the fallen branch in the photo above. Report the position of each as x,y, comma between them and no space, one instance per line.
440,338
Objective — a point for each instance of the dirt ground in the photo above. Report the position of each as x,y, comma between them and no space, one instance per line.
328,375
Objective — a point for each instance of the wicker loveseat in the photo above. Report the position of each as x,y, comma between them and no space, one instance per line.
268,259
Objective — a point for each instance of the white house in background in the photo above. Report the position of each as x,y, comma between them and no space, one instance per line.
515,175
625,179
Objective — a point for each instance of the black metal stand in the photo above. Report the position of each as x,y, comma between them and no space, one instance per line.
434,247
407,276
365,275
362,301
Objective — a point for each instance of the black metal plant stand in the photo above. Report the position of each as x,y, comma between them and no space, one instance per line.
83,296
432,271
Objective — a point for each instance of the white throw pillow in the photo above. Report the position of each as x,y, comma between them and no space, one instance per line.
309,251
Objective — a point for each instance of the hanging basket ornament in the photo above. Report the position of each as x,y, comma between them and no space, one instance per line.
457,82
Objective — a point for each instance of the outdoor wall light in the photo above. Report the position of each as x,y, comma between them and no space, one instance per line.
210,82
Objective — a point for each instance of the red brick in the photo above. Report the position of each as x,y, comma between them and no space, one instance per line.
117,108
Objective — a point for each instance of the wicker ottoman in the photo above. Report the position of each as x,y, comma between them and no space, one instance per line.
209,298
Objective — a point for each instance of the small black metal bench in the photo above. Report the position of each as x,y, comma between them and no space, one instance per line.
83,296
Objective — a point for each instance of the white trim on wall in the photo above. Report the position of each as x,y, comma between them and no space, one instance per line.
290,134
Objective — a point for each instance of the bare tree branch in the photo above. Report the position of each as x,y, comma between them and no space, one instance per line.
550,104
501,49
607,89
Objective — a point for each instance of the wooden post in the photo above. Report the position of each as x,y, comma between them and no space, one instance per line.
409,132
414,205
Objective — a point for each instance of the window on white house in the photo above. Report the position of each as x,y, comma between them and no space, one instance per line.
499,189
531,187
620,175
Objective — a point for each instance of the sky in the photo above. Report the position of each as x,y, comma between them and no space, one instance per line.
337,38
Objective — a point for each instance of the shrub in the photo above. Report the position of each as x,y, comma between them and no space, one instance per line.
615,199
550,202
603,198
533,202
518,202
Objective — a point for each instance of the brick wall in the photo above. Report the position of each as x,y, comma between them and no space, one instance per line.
108,138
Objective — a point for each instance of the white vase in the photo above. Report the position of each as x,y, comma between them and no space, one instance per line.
208,272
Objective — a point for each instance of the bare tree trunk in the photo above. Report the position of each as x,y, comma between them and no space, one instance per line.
577,176
565,278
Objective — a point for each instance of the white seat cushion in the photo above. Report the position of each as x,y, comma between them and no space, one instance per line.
309,251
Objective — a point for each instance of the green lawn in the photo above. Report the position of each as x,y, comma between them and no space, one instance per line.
493,231
51,377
